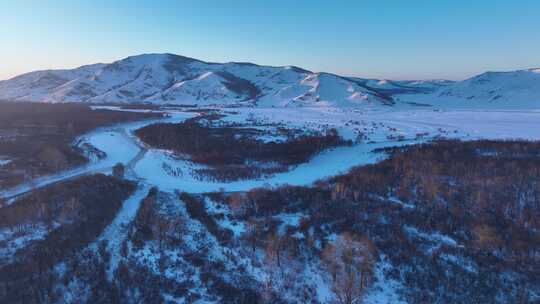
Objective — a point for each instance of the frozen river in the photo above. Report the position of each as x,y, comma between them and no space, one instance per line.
148,165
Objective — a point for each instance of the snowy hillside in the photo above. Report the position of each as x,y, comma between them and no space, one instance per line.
172,79
516,89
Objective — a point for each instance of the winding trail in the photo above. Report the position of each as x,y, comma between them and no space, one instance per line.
21,190
92,168
116,231
12,194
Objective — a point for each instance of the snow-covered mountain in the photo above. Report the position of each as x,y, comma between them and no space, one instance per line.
515,89
173,79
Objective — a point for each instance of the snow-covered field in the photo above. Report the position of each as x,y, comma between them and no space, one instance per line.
374,128
370,129
382,129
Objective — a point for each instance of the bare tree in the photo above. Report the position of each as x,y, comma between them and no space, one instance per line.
487,238
349,260
251,233
278,249
119,170
236,202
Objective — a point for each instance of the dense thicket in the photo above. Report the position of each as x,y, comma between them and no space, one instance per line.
235,152
73,214
484,195
230,145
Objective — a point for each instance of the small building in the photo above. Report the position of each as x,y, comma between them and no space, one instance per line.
119,171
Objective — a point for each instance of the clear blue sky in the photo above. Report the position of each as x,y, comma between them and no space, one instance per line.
385,39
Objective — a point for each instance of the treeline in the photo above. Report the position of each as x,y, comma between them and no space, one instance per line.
74,214
38,137
232,150
497,183
150,224
217,146
196,209
227,173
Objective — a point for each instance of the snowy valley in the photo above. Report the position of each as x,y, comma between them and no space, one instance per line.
198,182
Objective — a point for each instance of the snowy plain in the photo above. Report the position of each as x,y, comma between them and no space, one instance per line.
378,129
382,128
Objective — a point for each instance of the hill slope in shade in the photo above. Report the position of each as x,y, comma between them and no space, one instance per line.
515,89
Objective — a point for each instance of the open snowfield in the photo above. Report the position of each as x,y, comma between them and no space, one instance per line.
381,127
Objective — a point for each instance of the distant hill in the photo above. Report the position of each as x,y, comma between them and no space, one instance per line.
173,79
515,89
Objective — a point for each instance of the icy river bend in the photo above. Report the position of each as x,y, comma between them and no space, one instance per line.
146,165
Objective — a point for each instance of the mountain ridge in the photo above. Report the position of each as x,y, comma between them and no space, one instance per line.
174,79
509,89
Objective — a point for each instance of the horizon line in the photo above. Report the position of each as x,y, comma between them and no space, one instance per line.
514,69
